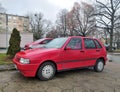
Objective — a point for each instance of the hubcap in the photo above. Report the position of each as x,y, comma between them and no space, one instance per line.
100,66
47,71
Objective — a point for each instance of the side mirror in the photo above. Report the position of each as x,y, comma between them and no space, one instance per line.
68,48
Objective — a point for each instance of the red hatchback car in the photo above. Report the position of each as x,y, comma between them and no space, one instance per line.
35,44
61,54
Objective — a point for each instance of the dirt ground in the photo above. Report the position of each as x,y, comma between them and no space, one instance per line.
82,80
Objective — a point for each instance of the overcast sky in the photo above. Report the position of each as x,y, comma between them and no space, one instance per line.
49,8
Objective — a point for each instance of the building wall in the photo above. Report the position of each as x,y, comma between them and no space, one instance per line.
25,38
2,22
13,21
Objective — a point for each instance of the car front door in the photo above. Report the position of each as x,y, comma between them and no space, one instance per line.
73,54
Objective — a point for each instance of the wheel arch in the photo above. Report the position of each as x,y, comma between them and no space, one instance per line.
102,59
45,62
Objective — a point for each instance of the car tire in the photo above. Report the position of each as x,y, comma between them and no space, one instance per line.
99,66
46,71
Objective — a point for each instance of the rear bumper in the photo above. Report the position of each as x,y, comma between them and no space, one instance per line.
27,70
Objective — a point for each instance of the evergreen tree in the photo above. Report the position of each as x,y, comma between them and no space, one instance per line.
14,43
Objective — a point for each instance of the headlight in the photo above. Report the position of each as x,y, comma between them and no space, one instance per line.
24,61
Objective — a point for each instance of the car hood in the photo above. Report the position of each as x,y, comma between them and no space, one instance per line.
36,51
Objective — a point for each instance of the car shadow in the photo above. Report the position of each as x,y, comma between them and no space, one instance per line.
58,75
63,74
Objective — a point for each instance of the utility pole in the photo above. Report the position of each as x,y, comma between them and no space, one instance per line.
6,31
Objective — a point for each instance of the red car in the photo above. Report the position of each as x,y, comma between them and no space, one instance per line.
36,43
61,54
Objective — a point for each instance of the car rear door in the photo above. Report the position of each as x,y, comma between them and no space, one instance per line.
91,51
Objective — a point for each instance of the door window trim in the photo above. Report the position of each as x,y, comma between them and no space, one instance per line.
80,43
89,47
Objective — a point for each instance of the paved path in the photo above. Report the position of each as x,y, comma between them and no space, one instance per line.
114,57
71,81
3,50
83,80
7,67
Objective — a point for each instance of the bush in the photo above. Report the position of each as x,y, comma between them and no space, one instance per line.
14,43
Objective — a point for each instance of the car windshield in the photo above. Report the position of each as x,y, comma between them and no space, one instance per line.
56,43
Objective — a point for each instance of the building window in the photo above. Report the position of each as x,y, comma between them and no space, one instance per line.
9,18
20,18
25,20
14,18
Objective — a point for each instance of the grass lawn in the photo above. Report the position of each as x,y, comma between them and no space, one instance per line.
4,59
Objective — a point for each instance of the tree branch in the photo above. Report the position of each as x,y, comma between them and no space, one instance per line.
103,5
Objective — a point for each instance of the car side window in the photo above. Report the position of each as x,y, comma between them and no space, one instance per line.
98,44
75,43
89,43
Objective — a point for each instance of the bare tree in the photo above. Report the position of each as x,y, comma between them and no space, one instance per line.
85,21
54,33
38,25
106,36
117,35
62,22
71,23
108,15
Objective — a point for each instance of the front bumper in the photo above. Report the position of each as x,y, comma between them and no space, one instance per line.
28,70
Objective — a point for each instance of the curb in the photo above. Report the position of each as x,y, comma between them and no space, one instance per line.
7,67
114,53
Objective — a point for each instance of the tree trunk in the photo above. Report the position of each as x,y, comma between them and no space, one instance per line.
84,34
112,25
111,40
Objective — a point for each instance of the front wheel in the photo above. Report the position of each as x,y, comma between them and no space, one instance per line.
46,71
99,66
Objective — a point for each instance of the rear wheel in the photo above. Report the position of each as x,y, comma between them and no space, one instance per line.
99,66
46,71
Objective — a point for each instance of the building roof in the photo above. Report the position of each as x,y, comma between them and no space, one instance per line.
13,15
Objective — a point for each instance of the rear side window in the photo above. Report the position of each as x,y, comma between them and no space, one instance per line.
98,44
89,43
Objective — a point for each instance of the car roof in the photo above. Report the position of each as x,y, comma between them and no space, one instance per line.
81,37
47,38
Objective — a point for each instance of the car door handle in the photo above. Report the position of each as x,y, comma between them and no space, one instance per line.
82,51
97,50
